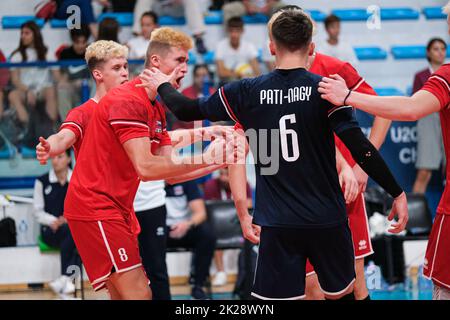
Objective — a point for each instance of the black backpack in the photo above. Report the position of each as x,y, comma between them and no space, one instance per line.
8,233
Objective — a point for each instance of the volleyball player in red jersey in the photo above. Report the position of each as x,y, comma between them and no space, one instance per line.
107,62
325,65
433,97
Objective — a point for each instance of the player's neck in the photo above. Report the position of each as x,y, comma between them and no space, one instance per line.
435,66
151,94
99,92
291,61
333,41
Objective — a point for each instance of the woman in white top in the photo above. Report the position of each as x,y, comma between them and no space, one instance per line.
31,83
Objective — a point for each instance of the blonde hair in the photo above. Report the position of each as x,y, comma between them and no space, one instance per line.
162,39
101,51
446,8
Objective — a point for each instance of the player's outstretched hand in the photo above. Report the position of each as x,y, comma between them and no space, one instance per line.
349,184
399,209
250,231
333,89
43,151
213,132
152,78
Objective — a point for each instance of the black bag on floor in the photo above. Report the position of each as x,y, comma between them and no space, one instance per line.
8,233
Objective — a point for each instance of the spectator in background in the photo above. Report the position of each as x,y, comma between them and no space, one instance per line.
49,194
87,13
249,7
108,29
430,147
190,9
333,46
219,189
69,79
236,58
31,84
4,79
187,227
196,90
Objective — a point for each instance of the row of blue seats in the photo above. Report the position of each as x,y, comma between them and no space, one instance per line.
216,17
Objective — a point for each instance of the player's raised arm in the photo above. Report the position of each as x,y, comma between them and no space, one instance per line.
54,145
422,103
367,156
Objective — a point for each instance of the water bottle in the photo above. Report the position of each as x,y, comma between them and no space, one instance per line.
412,278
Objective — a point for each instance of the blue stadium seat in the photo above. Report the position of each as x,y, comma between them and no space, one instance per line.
351,14
17,183
58,23
388,91
192,58
360,14
7,153
28,152
214,17
434,13
317,15
209,57
370,53
399,14
408,52
15,22
171,21
255,18
125,19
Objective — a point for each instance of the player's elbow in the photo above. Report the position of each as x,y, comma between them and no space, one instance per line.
410,115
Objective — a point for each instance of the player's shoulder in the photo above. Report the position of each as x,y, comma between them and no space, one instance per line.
443,72
330,62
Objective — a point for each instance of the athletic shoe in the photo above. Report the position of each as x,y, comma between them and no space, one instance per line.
220,279
197,293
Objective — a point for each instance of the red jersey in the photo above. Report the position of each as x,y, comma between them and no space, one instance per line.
439,85
104,182
77,121
326,65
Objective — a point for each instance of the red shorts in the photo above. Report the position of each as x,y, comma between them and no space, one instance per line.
105,246
359,226
437,259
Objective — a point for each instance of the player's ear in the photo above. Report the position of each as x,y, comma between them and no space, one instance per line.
272,48
312,47
97,75
155,60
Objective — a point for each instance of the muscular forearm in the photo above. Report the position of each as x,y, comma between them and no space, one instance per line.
184,137
238,185
195,174
379,130
60,142
340,160
367,156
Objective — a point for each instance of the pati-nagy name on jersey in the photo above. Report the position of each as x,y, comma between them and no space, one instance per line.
280,96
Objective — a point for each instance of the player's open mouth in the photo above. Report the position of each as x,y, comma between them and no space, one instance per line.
178,80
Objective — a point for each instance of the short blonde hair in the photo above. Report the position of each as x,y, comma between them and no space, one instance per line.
162,39
101,51
446,8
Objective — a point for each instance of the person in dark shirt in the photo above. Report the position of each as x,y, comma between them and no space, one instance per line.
300,208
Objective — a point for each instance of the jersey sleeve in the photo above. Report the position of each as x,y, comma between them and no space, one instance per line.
226,103
191,190
129,120
342,118
351,77
165,139
440,88
75,123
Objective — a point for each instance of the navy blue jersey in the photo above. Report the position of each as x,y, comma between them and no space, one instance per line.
296,180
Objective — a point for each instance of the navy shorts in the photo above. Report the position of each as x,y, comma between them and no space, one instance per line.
280,269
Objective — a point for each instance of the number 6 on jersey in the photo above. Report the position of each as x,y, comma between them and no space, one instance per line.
284,138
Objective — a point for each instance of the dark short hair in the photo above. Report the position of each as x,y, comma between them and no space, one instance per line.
330,20
108,29
292,30
83,31
200,66
152,15
235,22
431,42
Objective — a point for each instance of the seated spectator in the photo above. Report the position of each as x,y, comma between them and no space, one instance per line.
175,8
333,46
109,29
87,13
4,79
69,79
196,90
248,7
219,189
138,44
49,194
430,147
236,58
187,227
32,85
